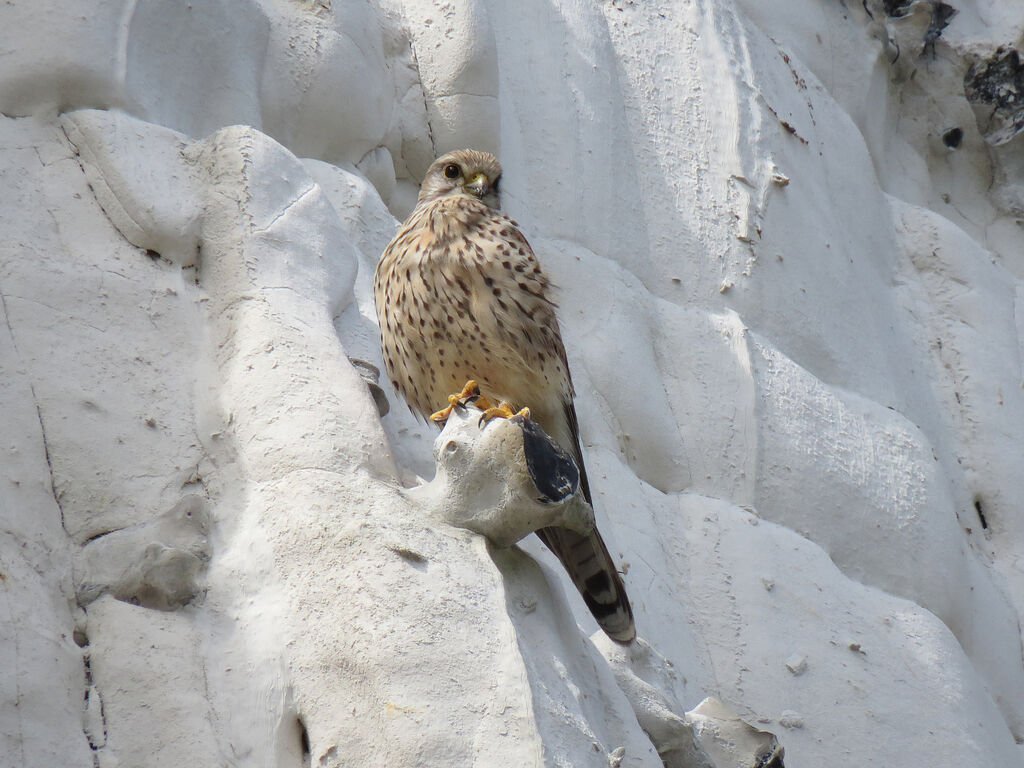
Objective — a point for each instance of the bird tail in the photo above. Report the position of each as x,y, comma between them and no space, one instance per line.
587,561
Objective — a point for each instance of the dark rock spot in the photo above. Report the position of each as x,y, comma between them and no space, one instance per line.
995,88
981,513
953,137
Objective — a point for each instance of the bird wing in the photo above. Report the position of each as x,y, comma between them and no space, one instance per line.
524,316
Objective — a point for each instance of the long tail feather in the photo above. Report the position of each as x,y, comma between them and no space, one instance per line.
588,563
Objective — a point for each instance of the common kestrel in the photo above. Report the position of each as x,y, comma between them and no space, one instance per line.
460,296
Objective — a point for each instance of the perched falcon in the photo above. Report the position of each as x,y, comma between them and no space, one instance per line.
460,296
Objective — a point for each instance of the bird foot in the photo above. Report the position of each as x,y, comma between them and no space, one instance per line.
503,410
469,394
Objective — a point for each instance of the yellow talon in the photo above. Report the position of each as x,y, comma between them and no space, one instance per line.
470,394
504,410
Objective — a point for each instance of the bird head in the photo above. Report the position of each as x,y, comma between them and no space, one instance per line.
464,172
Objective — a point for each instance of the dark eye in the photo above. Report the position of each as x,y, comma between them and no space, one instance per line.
494,186
452,171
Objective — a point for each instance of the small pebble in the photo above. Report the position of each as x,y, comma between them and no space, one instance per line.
791,719
796,664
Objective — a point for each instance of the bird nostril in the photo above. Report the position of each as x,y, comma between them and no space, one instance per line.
478,185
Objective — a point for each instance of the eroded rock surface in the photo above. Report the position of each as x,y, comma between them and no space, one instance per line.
788,244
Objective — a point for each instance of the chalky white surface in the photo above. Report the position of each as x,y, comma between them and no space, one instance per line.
794,320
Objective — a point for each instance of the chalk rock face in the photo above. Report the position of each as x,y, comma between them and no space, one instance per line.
156,564
503,479
789,250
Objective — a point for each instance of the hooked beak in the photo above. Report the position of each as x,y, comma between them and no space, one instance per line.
477,185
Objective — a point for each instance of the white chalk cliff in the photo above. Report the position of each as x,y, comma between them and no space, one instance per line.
790,256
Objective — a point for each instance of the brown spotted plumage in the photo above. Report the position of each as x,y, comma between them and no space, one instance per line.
459,296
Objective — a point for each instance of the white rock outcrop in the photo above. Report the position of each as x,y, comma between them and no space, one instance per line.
788,240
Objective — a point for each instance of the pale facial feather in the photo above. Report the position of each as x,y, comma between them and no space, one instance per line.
470,162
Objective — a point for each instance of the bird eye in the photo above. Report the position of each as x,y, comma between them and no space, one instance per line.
452,171
494,186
